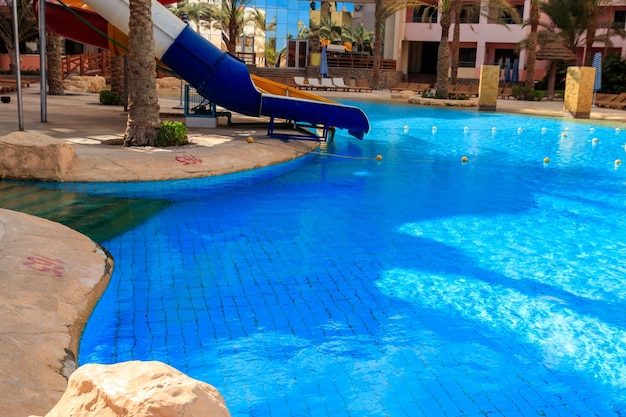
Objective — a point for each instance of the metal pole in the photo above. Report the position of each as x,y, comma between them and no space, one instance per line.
18,79
43,77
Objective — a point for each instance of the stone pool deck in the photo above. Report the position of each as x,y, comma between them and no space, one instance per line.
52,276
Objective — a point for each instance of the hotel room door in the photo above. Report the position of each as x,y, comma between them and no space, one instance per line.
297,51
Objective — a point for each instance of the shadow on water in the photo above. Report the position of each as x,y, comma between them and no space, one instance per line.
98,217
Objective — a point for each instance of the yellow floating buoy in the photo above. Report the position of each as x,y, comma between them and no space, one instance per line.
464,159
250,139
546,160
379,157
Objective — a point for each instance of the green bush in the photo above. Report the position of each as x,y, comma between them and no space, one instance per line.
108,98
172,134
528,94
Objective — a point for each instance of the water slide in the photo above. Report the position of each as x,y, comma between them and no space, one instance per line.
217,75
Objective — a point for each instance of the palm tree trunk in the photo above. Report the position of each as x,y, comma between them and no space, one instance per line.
589,40
143,123
378,47
531,50
551,80
456,40
443,58
12,64
54,65
117,75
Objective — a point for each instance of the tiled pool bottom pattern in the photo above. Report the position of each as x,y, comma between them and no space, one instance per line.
419,288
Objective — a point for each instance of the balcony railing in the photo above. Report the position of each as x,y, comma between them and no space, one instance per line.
349,61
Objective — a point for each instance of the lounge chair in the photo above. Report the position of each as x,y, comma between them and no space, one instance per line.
363,85
301,83
341,85
328,84
315,84
619,103
400,87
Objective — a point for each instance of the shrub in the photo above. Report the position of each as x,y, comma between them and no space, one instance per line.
172,134
108,98
525,93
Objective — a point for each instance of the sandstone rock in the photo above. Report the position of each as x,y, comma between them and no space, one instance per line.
34,155
168,82
473,102
403,95
138,389
84,83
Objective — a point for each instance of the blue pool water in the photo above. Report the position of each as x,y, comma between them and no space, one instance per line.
413,286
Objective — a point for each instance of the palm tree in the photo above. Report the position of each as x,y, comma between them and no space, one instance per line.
54,65
531,46
261,27
327,29
495,9
356,35
117,75
198,14
569,21
593,9
143,123
383,10
27,23
456,41
230,18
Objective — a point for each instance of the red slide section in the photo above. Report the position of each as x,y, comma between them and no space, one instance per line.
62,19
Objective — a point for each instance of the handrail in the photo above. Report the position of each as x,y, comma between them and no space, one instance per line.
87,64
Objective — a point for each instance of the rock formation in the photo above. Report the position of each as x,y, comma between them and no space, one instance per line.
138,389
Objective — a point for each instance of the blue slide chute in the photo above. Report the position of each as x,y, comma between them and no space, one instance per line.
226,81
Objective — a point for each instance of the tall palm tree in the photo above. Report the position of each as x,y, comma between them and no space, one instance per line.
593,10
494,9
531,46
143,122
568,21
199,14
230,18
54,65
456,41
383,10
27,23
357,35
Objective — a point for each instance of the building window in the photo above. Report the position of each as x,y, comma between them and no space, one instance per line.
467,57
620,19
425,14
500,56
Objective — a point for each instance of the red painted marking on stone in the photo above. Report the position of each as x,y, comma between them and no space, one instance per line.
188,160
44,264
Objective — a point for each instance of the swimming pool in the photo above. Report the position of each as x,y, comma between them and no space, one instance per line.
417,285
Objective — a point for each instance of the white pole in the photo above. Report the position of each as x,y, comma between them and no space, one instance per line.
43,77
18,78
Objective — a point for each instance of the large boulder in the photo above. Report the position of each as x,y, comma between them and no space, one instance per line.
138,389
34,156
84,83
